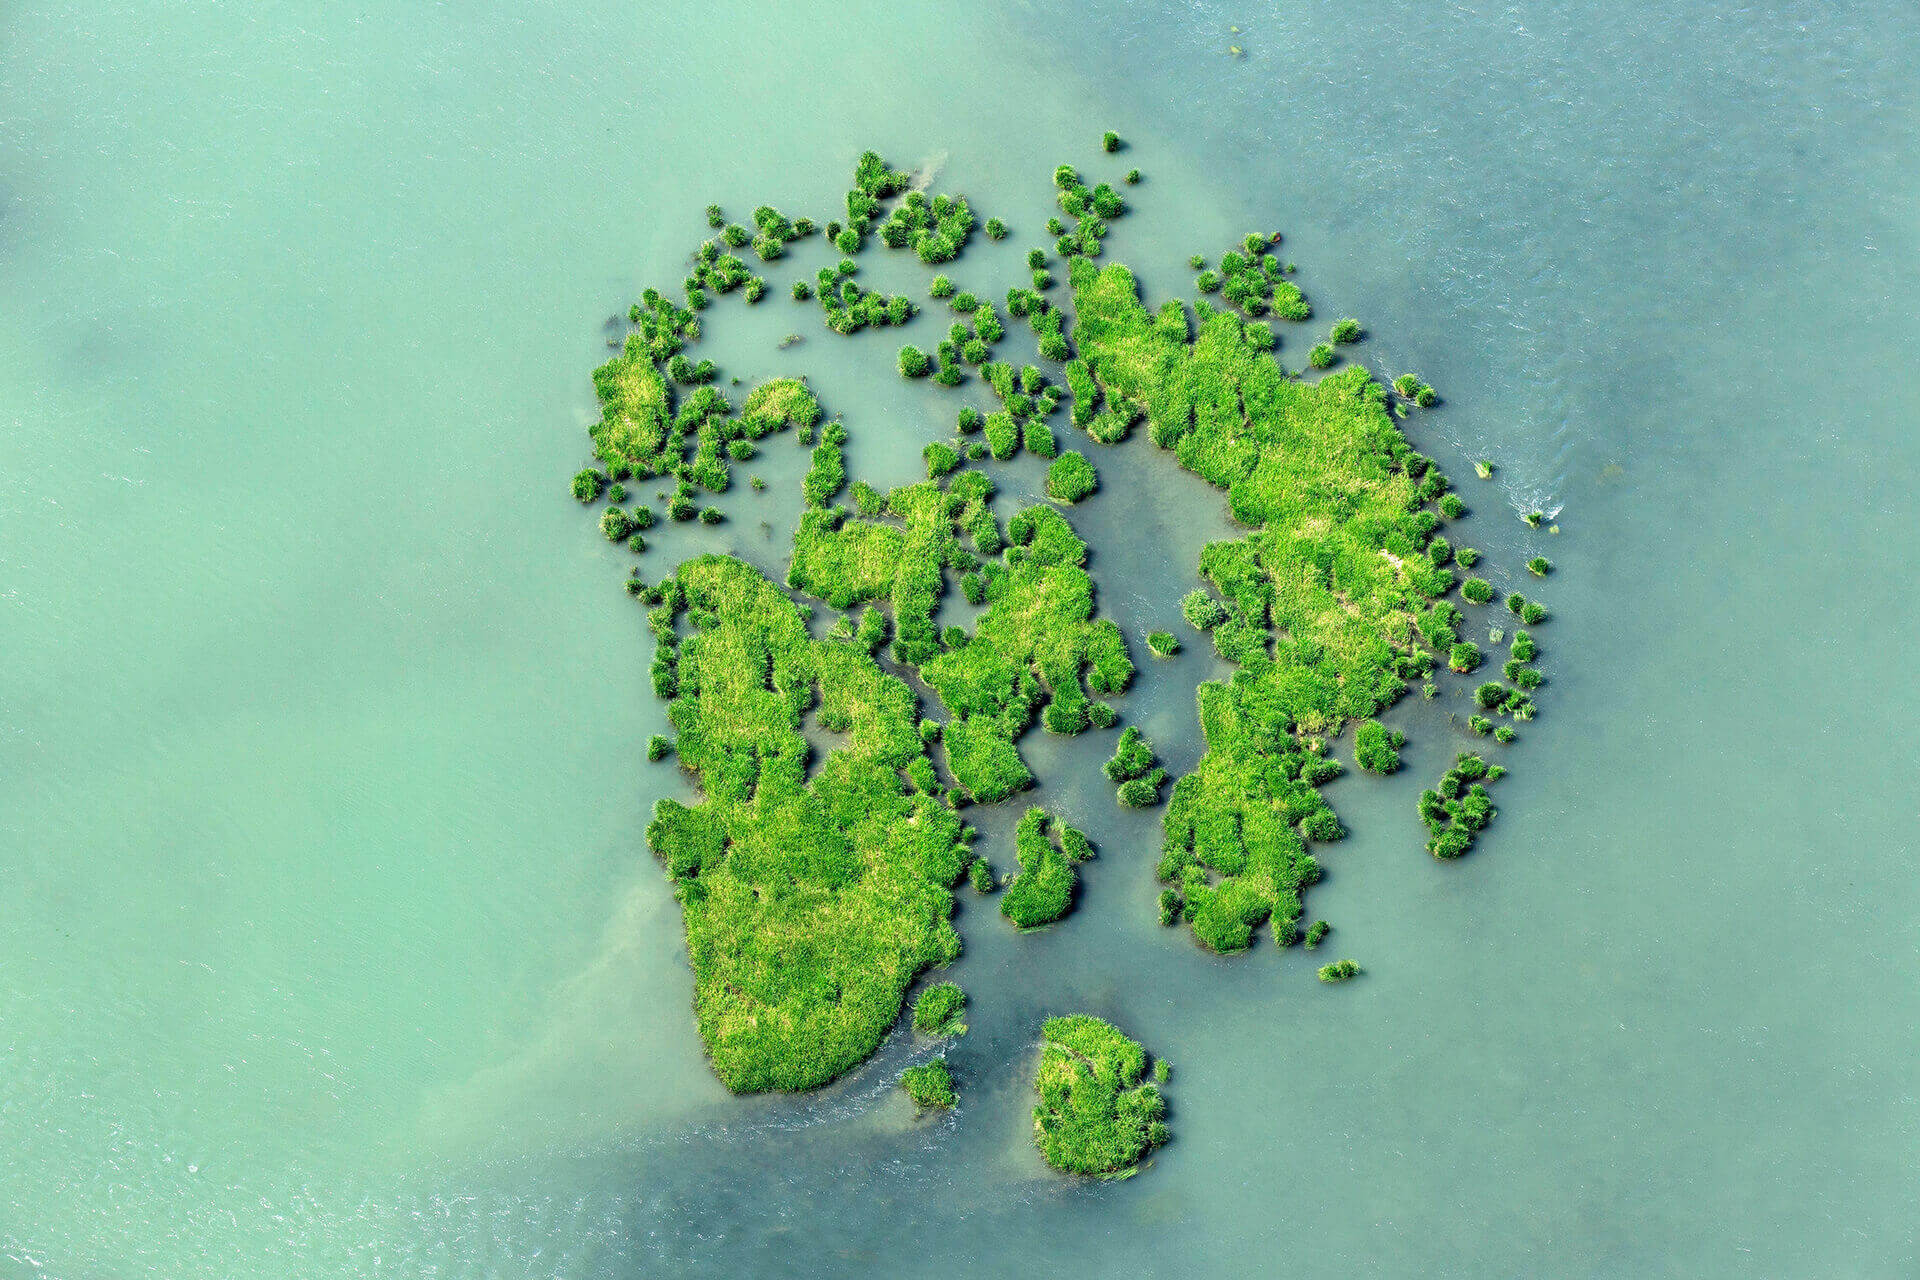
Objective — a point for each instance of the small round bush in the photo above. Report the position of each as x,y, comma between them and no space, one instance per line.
1491,695
1466,557
657,747
1133,177
941,459
589,485
756,288
1321,357
1505,733
913,362
1480,725
1055,227
970,421
1464,657
996,229
965,303
1164,644
974,351
1071,477
1054,346
1515,603
1339,971
1345,331
1426,397
802,291
1109,141
616,524
940,288
1539,566
848,241
930,1085
636,542
1533,613
710,515
1209,282
1451,506
1476,590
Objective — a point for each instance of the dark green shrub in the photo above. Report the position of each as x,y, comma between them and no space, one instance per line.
1539,566
1133,177
1339,971
1527,678
996,229
1345,331
1476,591
1491,695
1426,397
1515,603
802,291
1170,905
1466,557
913,362
636,542
1317,932
711,515
1109,141
657,747
714,217
1164,644
1322,356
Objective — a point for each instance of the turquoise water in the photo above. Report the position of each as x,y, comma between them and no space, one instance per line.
332,944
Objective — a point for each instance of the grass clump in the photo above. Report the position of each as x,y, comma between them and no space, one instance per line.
1098,1115
1376,748
1071,477
1317,933
1134,767
1539,566
1049,850
1109,141
937,1011
930,1085
913,362
1476,591
1163,644
1339,971
1459,808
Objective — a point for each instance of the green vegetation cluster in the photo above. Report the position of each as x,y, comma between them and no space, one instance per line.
1460,808
930,1085
1098,1114
1135,769
937,1011
1049,851
811,902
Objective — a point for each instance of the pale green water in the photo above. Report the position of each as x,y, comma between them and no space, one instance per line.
332,946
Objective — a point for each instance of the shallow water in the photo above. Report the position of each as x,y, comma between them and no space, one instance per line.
333,947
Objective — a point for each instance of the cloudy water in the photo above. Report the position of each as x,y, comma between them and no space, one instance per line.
333,946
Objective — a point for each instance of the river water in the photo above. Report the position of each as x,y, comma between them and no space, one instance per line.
332,946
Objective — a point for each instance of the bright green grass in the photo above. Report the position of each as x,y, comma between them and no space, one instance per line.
930,1085
810,905
1049,851
1098,1116
1322,597
937,1011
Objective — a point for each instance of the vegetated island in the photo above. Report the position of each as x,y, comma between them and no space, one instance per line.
1098,1114
815,892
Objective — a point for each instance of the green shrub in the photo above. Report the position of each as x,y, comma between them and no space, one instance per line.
937,1011
1452,507
711,515
615,524
913,362
1464,657
1539,566
1170,907
714,217
1504,733
1491,695
589,484
940,288
1317,933
1071,477
1133,177
1533,613
1476,591
941,459
930,1085
1322,356
657,747
1426,397
1164,644
996,229
1339,971
1132,757
1345,331
1515,603
980,876
1043,889
1109,141
1202,611
1480,725
1376,748
1208,282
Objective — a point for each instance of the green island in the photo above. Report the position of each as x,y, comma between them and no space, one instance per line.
930,1085
816,872
1098,1116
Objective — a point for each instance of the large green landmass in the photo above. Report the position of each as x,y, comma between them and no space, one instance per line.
815,893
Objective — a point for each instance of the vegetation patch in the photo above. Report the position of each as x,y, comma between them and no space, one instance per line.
1049,851
1099,1116
930,1085
811,903
937,1011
